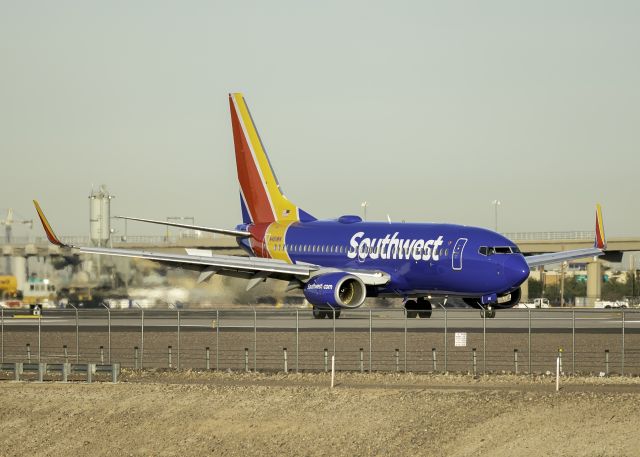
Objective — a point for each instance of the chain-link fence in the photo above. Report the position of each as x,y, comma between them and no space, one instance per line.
452,340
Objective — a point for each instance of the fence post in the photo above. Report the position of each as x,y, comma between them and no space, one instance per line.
397,359
178,361
115,371
17,370
475,366
361,360
141,337
66,368
217,339
255,341
484,342
135,357
297,338
405,342
370,340
102,355
108,331
326,360
28,353
39,334
622,361
573,342
246,359
560,360
66,353
334,330
77,335
446,325
515,359
169,354
286,368
208,356
433,357
90,367
606,361
529,343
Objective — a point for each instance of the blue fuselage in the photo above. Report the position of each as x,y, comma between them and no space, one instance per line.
421,259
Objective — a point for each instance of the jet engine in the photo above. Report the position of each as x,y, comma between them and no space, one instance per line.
335,290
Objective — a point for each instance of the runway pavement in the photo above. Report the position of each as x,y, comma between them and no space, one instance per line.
556,320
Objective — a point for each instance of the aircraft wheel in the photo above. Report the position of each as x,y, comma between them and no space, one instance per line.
424,308
410,308
489,313
317,314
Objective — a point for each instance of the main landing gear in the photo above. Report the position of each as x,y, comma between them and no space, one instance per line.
418,308
319,313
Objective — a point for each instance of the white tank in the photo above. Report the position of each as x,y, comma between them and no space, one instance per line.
100,216
20,271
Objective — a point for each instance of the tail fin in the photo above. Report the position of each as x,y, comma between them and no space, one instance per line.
261,199
600,241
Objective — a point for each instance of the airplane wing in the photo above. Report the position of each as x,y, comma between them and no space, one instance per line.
598,248
256,269
236,233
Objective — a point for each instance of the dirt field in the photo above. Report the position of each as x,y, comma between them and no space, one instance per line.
208,413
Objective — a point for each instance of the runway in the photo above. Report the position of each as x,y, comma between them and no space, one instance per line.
556,320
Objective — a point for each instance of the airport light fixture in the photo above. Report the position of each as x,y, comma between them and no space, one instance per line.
495,204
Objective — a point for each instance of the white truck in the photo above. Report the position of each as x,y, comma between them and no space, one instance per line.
602,304
537,303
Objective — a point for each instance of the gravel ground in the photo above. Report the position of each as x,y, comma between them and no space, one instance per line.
236,414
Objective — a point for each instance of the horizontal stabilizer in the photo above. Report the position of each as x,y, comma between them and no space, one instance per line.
236,233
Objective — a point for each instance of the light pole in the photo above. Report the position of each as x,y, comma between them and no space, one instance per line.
495,204
364,209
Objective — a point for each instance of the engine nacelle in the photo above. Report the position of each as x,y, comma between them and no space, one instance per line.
335,290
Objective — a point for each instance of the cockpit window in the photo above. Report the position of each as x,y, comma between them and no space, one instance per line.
490,250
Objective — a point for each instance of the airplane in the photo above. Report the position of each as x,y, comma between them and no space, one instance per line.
338,263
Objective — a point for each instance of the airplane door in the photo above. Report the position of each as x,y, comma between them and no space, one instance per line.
456,258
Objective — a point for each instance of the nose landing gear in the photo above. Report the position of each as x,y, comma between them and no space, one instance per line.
489,312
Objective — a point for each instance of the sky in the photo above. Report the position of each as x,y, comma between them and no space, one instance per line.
426,110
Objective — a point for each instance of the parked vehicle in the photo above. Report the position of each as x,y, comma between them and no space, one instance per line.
536,303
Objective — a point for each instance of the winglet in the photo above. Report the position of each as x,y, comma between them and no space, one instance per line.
600,241
47,228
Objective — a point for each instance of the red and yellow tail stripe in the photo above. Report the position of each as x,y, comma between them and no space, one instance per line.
600,242
47,228
258,183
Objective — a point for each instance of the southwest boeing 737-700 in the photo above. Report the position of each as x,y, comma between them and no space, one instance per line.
338,263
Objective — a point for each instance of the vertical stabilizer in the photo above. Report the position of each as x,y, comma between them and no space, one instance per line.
262,200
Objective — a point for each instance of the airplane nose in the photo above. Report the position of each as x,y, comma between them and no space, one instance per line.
516,270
